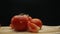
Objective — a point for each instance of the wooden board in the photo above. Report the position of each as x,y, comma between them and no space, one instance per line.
44,30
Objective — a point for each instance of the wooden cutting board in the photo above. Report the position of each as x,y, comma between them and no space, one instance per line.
44,30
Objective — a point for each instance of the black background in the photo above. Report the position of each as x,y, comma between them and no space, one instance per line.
36,8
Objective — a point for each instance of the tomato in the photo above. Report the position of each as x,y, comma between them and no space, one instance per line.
20,22
33,27
25,22
37,21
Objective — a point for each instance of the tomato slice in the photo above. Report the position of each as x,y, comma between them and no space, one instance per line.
37,21
33,27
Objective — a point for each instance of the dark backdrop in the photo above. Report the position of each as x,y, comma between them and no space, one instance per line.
35,8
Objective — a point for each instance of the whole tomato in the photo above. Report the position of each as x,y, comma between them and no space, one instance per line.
20,22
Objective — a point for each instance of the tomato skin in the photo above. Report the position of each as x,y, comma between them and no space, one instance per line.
37,21
19,22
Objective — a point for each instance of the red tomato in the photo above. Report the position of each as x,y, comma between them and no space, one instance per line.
33,27
37,21
20,22
24,22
